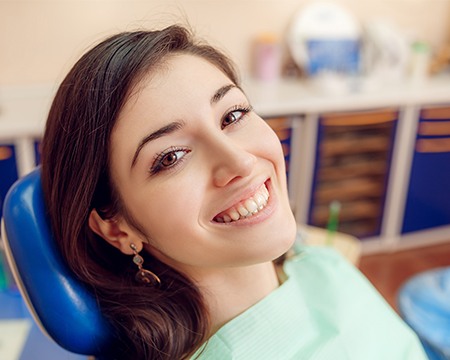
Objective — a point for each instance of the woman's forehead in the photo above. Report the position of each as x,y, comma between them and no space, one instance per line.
177,79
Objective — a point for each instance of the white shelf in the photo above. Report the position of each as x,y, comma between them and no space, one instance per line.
290,97
24,109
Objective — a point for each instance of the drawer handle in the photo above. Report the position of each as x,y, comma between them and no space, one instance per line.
434,128
433,145
359,119
5,153
435,114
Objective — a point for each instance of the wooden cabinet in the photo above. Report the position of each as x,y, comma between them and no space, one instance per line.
353,157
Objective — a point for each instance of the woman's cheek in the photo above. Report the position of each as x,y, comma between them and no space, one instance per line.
271,146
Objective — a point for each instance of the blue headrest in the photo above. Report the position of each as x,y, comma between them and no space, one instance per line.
66,309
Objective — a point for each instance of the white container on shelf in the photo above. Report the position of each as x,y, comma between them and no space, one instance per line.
324,37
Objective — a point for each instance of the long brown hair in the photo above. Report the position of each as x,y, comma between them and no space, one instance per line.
168,322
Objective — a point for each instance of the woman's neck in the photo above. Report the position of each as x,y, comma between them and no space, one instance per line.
229,292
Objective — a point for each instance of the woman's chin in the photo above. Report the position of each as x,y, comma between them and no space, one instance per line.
287,239
279,242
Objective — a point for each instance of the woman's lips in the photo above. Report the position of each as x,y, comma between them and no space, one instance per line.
245,208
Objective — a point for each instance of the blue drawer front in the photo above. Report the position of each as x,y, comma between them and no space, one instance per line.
428,197
8,170
37,151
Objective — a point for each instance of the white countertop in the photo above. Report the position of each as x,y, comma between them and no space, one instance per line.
291,97
24,109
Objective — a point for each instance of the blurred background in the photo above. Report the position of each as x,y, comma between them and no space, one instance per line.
40,40
358,92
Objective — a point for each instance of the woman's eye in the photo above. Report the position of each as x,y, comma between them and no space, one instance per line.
168,160
171,158
234,116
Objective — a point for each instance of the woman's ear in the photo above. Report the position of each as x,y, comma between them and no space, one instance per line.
115,231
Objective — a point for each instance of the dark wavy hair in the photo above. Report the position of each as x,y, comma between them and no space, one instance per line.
169,322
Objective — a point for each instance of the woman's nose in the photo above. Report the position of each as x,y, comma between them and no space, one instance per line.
231,162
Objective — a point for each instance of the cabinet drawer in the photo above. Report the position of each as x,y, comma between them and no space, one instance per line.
8,170
428,197
352,166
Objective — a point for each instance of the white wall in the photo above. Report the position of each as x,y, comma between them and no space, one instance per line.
41,39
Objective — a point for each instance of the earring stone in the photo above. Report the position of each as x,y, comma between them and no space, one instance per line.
143,276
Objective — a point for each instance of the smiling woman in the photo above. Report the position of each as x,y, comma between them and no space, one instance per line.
167,196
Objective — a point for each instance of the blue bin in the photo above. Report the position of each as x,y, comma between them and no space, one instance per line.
424,303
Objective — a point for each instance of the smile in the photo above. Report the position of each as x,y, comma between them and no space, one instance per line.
246,208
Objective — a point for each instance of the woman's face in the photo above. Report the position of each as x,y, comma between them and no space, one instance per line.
200,173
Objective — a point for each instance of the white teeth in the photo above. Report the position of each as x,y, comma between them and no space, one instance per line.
260,201
251,206
247,208
242,210
234,214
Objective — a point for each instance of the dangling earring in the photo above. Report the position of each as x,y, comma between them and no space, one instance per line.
143,276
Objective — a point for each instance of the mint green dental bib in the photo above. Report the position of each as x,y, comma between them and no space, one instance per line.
326,310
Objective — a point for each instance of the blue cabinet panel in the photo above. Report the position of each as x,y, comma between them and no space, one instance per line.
37,151
428,197
8,170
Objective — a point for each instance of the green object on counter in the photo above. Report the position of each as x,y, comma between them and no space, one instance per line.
420,47
333,220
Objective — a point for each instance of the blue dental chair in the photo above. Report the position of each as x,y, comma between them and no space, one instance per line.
424,303
62,306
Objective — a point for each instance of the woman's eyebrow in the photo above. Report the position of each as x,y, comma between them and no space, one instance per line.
219,94
165,130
